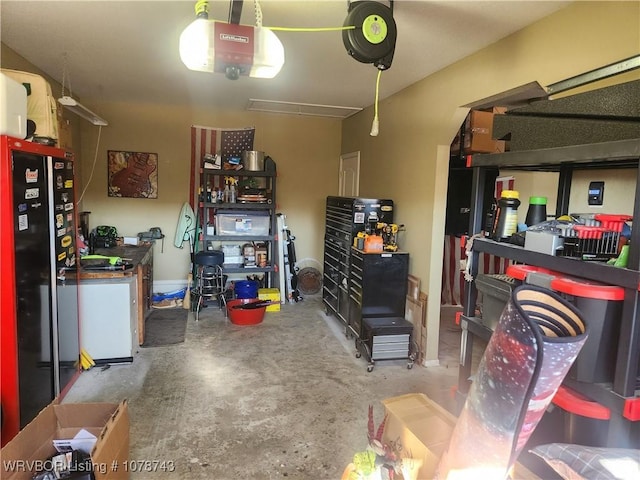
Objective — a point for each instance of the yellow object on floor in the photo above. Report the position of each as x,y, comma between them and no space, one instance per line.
86,362
272,294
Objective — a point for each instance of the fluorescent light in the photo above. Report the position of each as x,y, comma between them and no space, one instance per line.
74,106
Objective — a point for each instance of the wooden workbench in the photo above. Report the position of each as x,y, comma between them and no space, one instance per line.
141,257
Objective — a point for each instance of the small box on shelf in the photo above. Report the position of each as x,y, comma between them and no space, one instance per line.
478,133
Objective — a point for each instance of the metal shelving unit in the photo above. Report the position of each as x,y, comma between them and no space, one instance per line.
622,396
215,179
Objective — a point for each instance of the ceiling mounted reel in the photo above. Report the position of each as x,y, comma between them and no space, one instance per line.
373,40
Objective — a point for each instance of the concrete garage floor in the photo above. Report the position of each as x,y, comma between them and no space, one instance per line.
286,398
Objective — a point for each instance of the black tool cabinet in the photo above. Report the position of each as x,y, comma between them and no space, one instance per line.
622,396
377,287
377,296
345,217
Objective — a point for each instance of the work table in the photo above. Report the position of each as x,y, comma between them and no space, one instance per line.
141,257
137,254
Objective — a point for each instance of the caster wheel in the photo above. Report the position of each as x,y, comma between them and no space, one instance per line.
409,366
358,355
370,368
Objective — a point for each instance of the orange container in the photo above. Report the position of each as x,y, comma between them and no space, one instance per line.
239,316
373,243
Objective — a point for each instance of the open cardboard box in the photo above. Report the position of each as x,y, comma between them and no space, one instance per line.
479,133
109,422
422,428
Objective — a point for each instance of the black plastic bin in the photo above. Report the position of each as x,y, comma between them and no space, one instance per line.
496,291
601,306
585,421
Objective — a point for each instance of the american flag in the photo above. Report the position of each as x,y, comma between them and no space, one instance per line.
227,142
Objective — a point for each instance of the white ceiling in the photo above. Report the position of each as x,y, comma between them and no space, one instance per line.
128,50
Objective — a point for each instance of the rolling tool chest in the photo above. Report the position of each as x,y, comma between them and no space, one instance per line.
385,338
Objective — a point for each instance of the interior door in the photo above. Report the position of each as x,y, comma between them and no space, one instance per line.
349,175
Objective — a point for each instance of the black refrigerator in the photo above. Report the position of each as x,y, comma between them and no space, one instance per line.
39,331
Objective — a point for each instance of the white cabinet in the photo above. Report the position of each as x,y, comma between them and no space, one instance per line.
109,318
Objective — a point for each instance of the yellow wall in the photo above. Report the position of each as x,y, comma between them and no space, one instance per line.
408,161
305,149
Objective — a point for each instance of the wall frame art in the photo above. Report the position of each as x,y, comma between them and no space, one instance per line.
132,174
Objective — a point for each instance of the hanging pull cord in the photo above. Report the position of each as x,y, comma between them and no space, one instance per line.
375,126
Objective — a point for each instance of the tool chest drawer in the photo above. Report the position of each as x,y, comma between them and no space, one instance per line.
385,338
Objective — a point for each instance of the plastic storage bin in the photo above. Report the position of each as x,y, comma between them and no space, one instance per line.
601,306
243,223
599,239
496,290
531,274
585,421
246,289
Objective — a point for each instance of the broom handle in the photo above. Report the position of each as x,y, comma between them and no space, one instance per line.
186,304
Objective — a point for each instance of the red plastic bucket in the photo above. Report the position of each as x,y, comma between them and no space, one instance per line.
239,316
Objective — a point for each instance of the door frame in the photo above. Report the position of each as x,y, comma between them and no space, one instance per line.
349,157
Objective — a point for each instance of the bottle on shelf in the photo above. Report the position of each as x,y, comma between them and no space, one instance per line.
505,222
232,193
227,193
537,212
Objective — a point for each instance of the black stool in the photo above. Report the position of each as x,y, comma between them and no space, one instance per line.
209,279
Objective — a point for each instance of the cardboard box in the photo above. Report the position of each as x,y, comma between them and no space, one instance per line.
478,136
65,134
33,445
415,312
422,429
419,426
272,294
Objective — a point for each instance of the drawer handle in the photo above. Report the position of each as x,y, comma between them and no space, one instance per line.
332,257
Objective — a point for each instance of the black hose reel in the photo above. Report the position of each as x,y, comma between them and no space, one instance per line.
373,40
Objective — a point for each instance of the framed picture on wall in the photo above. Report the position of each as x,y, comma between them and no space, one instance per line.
132,174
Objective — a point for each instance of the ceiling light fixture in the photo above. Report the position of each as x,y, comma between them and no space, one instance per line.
229,48
74,106
71,104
